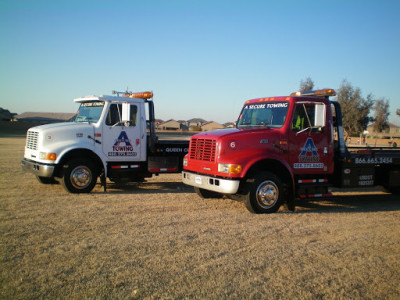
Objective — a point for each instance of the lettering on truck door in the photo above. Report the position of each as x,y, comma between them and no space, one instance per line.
311,141
123,141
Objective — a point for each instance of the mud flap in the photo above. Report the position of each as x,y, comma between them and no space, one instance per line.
290,199
103,181
290,204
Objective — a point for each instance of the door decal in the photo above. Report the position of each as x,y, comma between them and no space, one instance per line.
309,158
122,146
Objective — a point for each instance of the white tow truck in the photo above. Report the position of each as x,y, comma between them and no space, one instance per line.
111,137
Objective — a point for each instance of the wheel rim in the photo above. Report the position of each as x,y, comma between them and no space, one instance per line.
267,194
81,177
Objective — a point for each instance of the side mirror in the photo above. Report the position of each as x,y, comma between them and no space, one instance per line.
126,113
319,115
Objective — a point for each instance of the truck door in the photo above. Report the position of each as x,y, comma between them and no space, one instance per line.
311,139
123,133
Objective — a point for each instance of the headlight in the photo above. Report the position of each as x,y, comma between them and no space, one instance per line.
185,162
47,156
230,168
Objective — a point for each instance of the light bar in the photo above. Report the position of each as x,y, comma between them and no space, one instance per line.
316,93
142,95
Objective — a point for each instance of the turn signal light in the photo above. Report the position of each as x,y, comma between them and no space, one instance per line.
230,168
47,156
235,169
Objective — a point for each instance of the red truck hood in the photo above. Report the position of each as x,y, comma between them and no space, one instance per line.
218,133
234,132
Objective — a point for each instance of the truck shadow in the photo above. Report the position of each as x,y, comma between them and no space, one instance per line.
350,203
148,188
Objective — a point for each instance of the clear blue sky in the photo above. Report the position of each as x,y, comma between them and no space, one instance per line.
200,58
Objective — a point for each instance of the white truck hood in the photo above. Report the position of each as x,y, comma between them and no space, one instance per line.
57,138
64,131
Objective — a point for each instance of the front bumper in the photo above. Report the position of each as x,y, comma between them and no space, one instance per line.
36,168
223,186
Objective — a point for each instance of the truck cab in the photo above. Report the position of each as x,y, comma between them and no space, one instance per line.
282,148
110,136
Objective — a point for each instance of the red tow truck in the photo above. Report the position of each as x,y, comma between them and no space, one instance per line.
282,149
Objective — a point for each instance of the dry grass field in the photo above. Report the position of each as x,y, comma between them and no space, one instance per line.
158,240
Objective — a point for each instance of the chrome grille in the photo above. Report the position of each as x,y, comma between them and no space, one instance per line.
203,149
32,140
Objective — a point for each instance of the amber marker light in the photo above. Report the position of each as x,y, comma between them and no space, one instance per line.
48,156
230,168
235,169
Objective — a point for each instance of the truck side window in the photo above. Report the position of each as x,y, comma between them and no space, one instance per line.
309,115
114,114
133,114
300,120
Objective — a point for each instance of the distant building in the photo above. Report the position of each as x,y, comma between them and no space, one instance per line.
157,122
183,125
196,122
211,126
229,125
44,117
392,131
170,125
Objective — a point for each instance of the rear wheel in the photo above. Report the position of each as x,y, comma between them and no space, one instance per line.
392,189
264,193
79,176
206,193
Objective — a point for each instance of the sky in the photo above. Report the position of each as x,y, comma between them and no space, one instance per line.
200,58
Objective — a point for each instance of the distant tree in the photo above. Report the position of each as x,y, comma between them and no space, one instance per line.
381,115
306,85
398,112
5,115
355,109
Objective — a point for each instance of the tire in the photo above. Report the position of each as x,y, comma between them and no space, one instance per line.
46,180
264,193
79,176
206,194
395,190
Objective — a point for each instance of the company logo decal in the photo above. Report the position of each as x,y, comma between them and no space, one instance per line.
309,158
122,146
269,105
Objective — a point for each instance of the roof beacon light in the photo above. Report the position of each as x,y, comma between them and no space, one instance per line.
142,95
316,93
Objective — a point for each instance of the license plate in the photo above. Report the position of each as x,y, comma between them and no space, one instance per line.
198,180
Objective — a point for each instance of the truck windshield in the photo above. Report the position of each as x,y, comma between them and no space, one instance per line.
267,114
89,112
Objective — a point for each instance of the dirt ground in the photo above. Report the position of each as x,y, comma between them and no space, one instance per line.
160,240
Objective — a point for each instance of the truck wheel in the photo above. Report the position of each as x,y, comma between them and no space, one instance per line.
79,176
46,180
264,193
205,194
395,190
